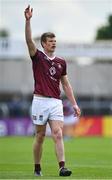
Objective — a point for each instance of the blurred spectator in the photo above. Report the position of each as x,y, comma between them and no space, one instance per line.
4,111
19,107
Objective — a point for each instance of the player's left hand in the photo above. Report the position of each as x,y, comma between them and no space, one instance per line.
77,110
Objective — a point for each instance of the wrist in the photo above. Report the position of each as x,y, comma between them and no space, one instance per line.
75,105
28,20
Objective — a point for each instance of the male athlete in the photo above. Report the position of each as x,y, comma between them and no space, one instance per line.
48,70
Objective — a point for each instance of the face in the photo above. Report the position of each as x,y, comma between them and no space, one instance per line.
50,44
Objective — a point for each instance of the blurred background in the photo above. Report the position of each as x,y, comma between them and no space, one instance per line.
84,38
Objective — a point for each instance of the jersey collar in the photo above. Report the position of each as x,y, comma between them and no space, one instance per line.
51,58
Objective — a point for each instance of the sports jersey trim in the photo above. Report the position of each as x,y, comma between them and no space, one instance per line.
51,58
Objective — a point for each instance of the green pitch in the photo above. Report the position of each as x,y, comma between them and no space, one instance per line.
88,158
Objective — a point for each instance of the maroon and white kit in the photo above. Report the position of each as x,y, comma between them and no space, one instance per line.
47,73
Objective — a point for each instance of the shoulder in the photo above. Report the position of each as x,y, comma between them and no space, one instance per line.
61,60
37,54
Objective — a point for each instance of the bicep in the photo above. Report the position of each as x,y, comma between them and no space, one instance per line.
32,48
64,81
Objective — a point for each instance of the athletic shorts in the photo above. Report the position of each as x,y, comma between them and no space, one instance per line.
46,108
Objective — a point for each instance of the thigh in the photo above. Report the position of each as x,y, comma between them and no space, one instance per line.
40,129
55,125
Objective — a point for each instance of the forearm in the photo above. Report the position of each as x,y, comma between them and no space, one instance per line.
70,95
28,34
29,40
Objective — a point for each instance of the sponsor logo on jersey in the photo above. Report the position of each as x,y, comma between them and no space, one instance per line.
54,79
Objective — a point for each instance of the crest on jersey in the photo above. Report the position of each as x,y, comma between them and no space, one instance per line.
52,71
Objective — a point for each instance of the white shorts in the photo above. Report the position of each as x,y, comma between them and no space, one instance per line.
45,108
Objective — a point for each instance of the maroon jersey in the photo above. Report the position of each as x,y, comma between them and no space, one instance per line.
47,74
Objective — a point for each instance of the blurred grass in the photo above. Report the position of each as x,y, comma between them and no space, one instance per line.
88,158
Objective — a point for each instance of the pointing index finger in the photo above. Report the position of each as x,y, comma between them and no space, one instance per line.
28,7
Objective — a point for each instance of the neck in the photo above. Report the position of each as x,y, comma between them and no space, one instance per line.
50,54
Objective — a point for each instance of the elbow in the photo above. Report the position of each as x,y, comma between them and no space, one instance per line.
28,41
65,87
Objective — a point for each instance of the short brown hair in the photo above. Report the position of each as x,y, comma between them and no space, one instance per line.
45,35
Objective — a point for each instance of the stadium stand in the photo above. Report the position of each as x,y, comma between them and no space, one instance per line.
89,70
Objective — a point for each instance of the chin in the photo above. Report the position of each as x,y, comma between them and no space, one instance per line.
52,50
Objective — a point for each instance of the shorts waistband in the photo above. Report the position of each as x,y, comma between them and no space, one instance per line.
36,96
39,95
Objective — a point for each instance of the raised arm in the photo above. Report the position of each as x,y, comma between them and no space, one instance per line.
28,35
69,93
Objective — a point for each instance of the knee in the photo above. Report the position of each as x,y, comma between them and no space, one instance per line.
57,134
40,137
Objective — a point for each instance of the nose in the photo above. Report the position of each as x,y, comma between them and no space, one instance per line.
54,42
